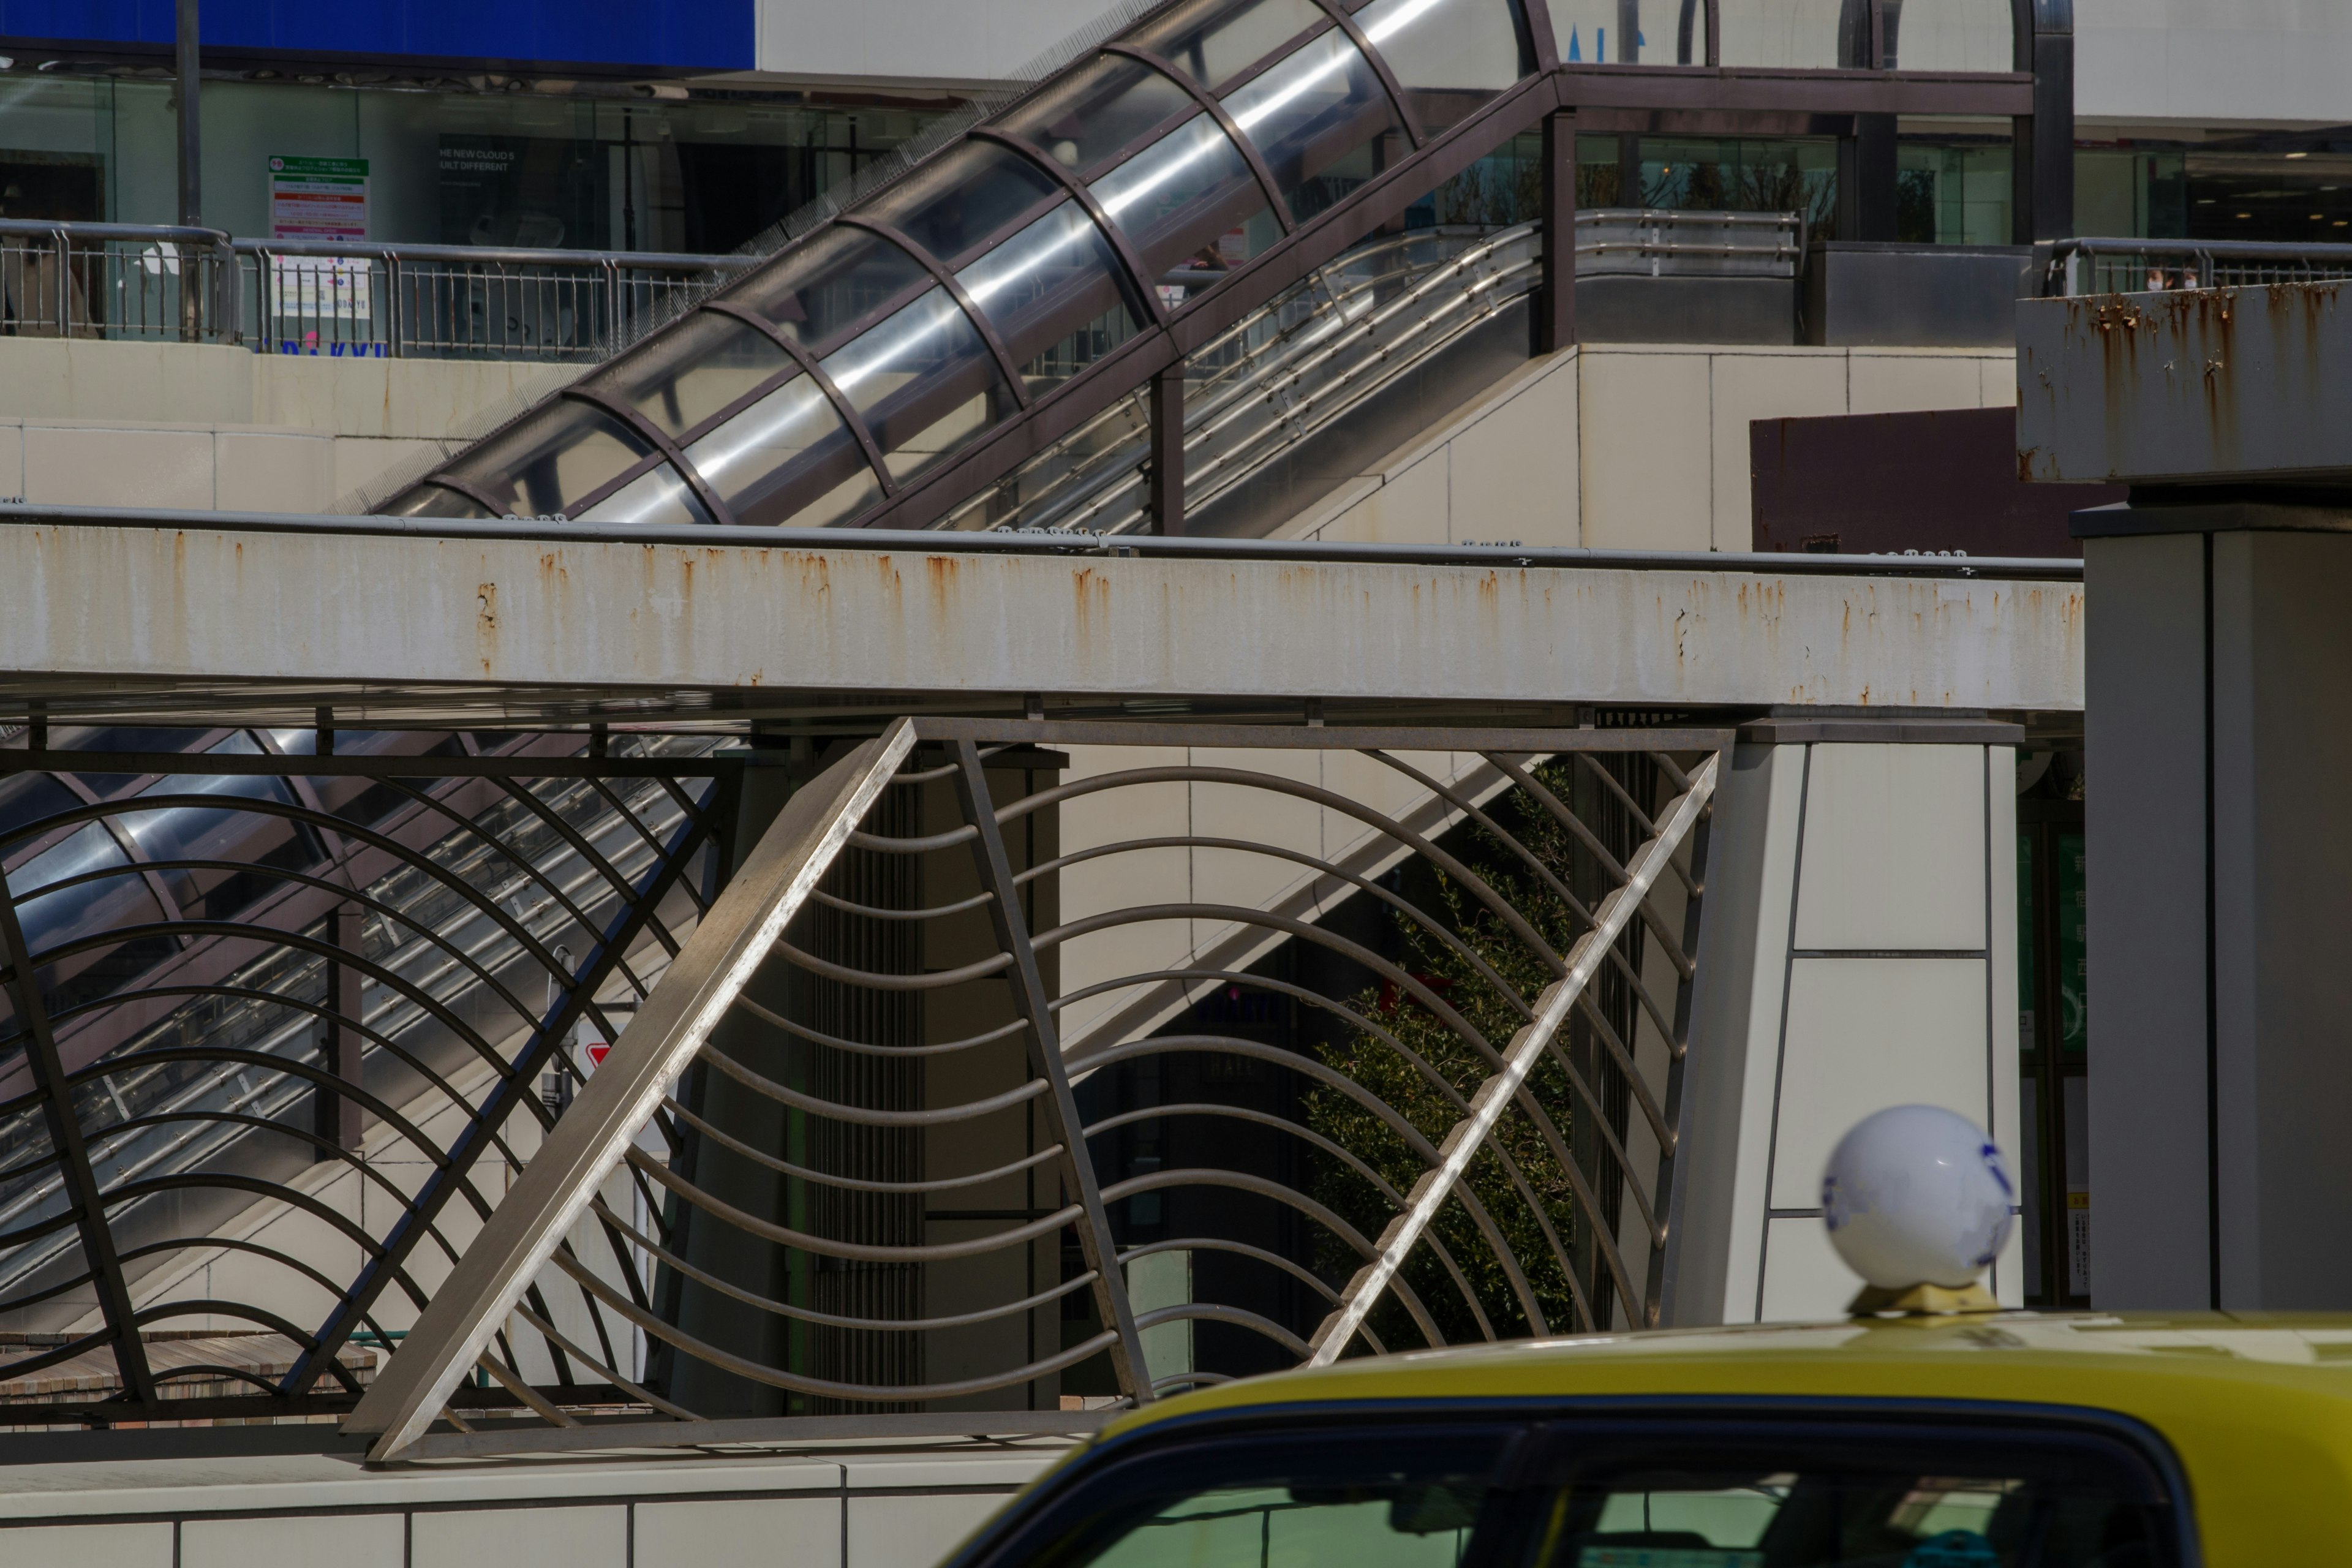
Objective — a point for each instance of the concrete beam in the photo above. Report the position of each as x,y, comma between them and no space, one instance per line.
402,628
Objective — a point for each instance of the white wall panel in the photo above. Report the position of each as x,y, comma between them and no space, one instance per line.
1867,1034
2212,61
789,1532
88,1546
562,1537
1894,849
946,41
340,1541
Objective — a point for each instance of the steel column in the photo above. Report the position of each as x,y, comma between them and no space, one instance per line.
337,1119
1555,299
1166,502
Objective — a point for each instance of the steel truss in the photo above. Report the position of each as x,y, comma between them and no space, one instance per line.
337,990
1523,1152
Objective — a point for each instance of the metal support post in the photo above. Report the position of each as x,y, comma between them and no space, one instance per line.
1555,301
2043,152
338,1115
1867,179
1167,497
184,40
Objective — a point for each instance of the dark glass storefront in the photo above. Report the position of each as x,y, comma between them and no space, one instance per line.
603,167
2053,1036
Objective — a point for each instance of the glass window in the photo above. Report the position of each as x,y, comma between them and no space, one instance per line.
1409,1497
1055,294
956,201
1096,112
925,382
1449,56
1949,35
1189,201
787,458
1743,1495
1953,191
818,290
1806,35
1215,41
558,454
1316,119
655,496
689,373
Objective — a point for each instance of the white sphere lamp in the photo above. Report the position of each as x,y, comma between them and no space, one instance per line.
1918,1200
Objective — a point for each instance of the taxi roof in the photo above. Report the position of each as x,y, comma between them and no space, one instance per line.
2257,1407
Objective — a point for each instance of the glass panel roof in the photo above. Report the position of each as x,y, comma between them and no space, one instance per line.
961,198
1182,199
822,288
1096,112
1215,41
1314,117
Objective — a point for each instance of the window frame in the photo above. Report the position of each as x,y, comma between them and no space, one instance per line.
1548,1424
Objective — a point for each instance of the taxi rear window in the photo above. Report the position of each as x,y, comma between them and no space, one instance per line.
1835,1494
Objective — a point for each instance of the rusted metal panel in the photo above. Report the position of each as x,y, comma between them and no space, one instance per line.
2192,385
675,628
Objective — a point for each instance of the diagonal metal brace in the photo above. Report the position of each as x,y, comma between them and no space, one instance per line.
555,1188
1029,999
1470,1134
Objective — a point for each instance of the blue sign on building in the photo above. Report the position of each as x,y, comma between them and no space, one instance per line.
683,35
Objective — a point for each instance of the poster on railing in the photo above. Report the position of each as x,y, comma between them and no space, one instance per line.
321,304
317,198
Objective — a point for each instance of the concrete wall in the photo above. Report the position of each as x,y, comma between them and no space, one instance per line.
88,423
2219,871
1860,931
940,40
874,1508
2213,62
1629,447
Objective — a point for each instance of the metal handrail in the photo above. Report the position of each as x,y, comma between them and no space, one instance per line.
503,256
1258,393
2059,272
188,284
1679,218
75,228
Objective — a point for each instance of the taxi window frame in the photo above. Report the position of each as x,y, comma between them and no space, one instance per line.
1553,1442
1545,1421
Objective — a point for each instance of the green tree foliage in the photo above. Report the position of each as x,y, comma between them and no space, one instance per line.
1419,1062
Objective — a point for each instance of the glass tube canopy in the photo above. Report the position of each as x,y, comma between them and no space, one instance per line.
1105,203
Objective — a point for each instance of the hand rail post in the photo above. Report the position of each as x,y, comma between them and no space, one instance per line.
392,311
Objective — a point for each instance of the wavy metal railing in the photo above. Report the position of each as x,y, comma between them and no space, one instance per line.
228,969
1462,1031
1274,379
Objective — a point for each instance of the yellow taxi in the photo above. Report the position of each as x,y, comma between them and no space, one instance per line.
1984,1440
